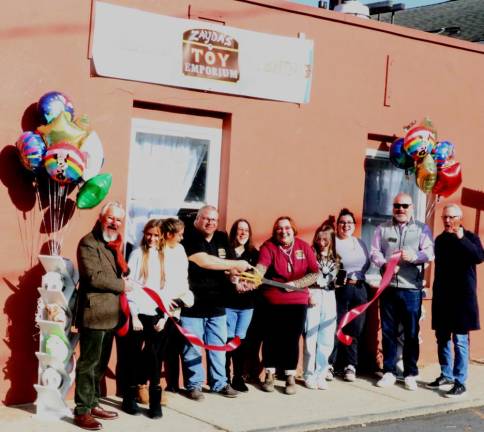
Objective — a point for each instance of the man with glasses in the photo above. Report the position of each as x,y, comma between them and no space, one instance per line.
207,249
455,310
401,302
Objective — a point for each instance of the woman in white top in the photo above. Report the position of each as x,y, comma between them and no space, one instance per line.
146,265
176,294
355,260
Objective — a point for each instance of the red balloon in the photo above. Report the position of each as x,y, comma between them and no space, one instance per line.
448,181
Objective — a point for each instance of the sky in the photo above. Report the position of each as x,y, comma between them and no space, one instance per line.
408,3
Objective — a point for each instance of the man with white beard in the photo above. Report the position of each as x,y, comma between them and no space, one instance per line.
103,278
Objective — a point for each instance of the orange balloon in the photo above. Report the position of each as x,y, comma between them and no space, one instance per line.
62,129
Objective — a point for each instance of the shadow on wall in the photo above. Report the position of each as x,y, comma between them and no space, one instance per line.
21,337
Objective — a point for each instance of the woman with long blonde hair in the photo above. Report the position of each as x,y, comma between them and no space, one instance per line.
146,265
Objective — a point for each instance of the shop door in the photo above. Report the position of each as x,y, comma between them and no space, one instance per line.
173,168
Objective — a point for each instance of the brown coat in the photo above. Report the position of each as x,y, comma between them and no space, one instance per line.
100,283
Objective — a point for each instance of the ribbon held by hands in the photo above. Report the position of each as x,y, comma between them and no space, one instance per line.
358,310
193,339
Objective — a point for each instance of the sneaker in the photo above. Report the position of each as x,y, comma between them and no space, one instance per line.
268,384
311,383
290,385
441,381
410,382
228,391
196,395
238,383
458,390
322,383
387,380
349,373
330,374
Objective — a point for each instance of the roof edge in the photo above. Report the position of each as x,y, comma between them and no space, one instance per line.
380,26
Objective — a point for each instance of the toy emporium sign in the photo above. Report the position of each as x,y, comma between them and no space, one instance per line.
141,46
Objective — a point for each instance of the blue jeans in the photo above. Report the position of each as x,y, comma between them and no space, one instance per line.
212,331
400,306
453,368
320,330
238,321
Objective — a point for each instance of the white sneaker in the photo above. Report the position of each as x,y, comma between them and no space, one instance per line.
387,380
322,383
350,373
330,374
310,383
410,383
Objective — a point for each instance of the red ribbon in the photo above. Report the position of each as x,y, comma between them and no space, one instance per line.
124,306
358,310
193,339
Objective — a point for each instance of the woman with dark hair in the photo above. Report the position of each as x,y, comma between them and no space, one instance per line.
356,261
288,259
321,314
239,306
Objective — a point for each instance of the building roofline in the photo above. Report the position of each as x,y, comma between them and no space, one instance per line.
379,26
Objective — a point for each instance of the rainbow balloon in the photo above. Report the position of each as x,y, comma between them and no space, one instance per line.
419,142
64,162
32,149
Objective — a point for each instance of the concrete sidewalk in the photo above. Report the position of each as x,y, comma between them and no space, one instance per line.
343,404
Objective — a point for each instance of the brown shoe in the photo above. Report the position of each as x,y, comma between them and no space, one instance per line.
290,385
87,421
268,384
164,398
101,413
142,394
196,395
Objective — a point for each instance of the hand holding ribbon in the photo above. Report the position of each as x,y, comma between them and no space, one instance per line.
358,310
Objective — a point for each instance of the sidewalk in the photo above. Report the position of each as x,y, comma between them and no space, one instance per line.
343,404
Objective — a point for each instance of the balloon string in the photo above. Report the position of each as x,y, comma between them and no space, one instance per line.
63,199
430,208
50,228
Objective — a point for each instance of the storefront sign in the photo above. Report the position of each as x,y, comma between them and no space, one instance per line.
141,46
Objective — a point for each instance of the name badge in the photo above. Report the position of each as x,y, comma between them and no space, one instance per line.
392,240
299,254
222,253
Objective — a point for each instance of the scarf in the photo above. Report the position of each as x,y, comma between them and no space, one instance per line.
117,247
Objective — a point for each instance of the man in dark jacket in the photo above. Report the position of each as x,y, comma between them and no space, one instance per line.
455,310
102,281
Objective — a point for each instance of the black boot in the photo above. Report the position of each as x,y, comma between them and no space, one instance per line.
238,364
129,404
154,410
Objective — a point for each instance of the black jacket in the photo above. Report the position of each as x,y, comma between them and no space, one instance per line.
454,298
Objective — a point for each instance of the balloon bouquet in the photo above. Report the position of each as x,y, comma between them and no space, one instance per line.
432,161
71,154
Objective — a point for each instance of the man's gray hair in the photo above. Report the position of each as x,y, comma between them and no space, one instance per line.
206,207
111,204
457,209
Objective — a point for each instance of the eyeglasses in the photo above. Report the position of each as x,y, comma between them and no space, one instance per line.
397,206
345,223
449,217
209,219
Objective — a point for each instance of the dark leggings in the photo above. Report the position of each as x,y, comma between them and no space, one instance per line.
284,325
